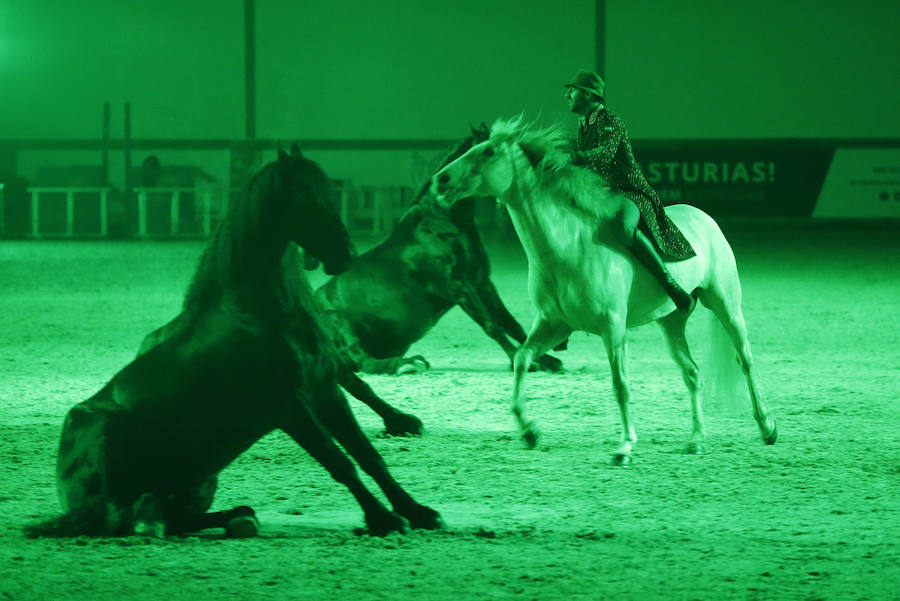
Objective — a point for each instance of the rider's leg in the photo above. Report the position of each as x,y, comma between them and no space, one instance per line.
625,226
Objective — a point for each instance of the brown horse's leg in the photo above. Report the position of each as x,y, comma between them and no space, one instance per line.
334,412
304,428
494,307
186,512
396,423
239,522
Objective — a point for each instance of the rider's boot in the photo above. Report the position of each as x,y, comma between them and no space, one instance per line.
645,252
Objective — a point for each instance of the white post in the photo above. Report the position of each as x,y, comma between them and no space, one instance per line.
142,213
174,211
103,216
35,214
70,212
207,208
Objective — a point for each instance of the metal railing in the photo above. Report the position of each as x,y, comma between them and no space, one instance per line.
70,195
203,198
365,210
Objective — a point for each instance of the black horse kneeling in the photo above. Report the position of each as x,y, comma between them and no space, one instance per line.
246,356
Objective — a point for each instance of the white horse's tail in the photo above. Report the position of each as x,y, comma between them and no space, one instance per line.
724,383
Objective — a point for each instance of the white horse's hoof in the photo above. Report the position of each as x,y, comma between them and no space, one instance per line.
621,459
769,431
695,448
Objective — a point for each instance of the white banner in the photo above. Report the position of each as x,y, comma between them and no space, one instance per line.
861,182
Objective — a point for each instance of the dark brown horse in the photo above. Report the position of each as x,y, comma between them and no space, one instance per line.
246,356
396,292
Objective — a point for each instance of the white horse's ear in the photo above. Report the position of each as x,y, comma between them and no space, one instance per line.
534,153
295,150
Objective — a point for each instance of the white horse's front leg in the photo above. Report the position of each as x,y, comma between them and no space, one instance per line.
544,335
618,362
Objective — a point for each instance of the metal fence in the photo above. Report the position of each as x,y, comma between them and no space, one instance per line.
183,212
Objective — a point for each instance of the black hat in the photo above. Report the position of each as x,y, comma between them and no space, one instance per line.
589,82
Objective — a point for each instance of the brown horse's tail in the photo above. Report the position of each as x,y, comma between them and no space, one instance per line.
72,523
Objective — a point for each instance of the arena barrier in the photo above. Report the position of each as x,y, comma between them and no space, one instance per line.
61,201
187,212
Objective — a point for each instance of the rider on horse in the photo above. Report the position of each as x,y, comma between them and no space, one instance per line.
640,221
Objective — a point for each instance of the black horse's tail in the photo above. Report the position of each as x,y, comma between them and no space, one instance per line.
72,523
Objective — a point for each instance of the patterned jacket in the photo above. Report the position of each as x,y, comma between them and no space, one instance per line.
604,148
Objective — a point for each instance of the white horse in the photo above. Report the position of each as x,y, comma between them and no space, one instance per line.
581,278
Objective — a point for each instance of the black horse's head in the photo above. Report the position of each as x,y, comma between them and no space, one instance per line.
310,217
479,134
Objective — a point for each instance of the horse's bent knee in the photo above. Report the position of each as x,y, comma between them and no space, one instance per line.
522,358
692,376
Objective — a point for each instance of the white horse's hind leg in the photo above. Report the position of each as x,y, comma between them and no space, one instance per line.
618,361
543,336
673,328
737,330
732,319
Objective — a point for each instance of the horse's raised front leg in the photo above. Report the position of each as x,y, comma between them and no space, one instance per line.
616,348
396,422
335,414
673,328
503,325
543,336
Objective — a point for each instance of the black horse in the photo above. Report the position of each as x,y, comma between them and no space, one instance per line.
396,292
246,356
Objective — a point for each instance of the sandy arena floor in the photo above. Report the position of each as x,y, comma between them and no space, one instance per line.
813,517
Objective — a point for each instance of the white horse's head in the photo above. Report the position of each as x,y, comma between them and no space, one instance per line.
487,169
512,157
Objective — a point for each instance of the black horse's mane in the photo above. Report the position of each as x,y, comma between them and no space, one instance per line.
249,264
461,213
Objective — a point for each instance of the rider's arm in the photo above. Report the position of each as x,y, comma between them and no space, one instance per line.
610,132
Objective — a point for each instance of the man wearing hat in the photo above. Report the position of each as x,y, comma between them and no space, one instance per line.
640,221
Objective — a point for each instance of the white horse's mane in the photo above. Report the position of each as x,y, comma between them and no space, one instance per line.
554,169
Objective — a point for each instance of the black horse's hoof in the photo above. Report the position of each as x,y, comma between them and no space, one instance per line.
242,523
245,526
621,460
531,435
385,523
424,518
550,363
769,435
404,425
416,364
695,448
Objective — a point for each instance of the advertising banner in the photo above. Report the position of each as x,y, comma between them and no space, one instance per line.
862,182
730,178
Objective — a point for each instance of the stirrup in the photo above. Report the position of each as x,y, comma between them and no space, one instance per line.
675,292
